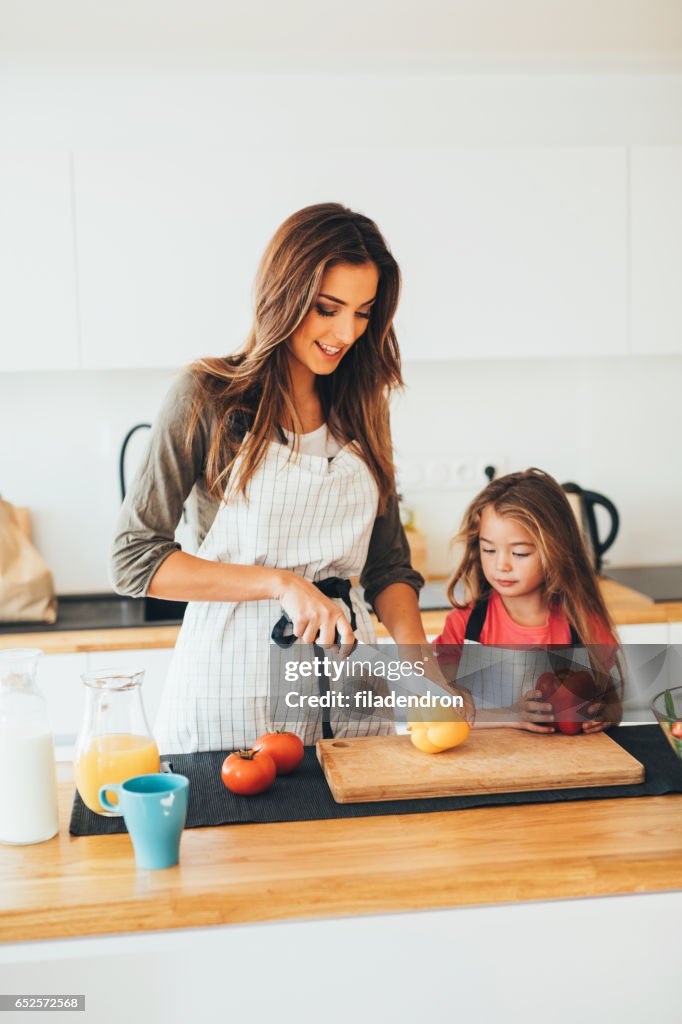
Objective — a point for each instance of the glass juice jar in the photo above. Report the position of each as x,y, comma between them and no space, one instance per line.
115,742
28,777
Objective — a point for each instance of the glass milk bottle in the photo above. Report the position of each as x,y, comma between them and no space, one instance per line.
28,776
115,742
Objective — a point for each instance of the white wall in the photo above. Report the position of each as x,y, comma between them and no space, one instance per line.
61,435
355,111
612,425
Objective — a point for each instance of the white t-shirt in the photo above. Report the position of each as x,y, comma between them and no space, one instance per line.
317,442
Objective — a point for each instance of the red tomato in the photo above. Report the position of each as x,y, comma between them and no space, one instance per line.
676,730
285,749
248,771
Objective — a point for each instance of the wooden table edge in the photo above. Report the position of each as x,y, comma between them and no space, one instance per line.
397,883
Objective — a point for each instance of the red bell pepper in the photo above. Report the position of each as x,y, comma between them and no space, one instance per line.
569,692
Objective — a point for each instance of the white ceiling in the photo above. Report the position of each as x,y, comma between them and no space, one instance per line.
353,35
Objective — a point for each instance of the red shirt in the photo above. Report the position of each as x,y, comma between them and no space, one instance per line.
500,629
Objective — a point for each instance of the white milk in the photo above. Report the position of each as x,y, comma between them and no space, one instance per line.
28,786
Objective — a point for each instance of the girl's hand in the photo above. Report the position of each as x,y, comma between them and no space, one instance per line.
597,724
312,613
535,714
607,710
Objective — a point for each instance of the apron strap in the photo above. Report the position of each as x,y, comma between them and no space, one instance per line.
334,586
476,620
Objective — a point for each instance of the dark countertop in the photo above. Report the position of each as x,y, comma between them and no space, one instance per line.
103,611
659,582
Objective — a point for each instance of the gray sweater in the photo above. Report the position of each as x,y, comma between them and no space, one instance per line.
170,477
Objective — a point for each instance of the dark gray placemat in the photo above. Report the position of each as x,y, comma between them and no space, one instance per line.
305,795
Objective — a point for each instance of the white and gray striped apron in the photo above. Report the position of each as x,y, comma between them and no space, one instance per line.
305,513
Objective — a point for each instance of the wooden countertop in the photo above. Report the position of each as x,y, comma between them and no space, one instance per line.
71,886
626,606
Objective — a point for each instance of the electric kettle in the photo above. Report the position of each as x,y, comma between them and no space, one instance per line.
583,504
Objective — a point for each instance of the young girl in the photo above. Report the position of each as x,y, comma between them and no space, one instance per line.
529,583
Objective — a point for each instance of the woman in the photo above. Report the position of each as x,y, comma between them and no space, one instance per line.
286,451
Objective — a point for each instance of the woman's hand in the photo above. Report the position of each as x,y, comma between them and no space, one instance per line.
312,613
532,713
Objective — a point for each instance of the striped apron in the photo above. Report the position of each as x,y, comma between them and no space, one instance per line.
304,513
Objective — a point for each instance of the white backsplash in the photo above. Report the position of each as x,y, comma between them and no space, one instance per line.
611,425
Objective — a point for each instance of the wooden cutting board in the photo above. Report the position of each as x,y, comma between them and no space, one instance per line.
372,768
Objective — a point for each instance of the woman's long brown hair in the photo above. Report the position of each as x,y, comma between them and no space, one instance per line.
254,386
536,501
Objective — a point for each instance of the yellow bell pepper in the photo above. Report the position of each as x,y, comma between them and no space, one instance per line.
434,737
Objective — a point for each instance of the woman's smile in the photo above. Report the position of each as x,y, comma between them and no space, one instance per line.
330,351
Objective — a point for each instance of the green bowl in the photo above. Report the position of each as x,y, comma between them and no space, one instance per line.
667,707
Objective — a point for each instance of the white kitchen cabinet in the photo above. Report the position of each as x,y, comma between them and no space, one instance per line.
155,664
647,667
644,633
675,637
513,253
38,312
656,199
157,259
183,975
504,252
59,678
675,657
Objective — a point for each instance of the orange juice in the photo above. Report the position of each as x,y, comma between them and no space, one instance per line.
112,758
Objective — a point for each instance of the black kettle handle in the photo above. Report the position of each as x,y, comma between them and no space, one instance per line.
591,499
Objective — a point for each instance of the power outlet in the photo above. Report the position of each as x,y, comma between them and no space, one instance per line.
459,474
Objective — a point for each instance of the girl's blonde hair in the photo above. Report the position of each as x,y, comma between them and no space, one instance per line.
254,386
536,501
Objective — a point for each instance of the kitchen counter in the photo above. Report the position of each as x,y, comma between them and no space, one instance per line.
626,607
89,886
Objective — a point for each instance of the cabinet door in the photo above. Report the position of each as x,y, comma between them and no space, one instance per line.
155,664
657,249
38,314
675,638
516,253
169,245
59,679
647,667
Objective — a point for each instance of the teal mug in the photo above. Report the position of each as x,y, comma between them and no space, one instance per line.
154,808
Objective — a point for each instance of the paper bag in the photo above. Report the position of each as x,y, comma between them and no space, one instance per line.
26,584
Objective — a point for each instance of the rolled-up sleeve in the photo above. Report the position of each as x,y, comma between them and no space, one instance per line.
388,557
149,516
